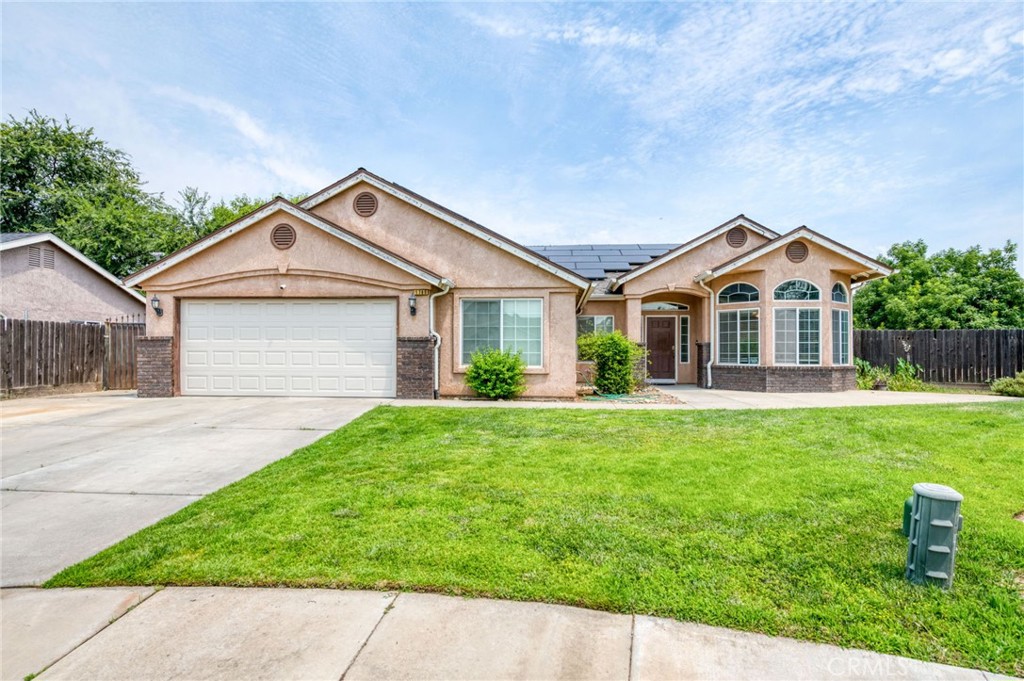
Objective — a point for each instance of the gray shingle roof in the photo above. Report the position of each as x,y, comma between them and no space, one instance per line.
602,261
14,236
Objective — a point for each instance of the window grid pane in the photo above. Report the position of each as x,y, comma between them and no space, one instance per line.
749,350
810,336
684,339
797,289
738,293
840,337
481,326
728,338
521,329
785,336
838,294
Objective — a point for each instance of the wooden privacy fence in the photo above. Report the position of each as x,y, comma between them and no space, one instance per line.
41,357
946,355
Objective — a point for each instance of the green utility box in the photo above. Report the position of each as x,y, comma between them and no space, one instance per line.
935,521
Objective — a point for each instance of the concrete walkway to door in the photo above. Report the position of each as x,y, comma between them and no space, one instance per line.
81,472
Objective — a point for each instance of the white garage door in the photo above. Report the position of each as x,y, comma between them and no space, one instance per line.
342,348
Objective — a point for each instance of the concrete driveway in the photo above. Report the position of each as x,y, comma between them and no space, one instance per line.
81,472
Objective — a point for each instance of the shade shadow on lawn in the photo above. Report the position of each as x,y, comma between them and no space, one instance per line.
784,522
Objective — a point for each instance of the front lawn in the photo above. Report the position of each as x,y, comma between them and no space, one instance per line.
785,522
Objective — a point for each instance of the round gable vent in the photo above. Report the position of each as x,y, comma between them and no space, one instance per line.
365,204
736,237
283,236
797,251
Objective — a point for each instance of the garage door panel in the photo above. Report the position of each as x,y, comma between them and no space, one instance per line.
274,347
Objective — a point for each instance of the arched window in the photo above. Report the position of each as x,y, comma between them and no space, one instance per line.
797,289
839,293
739,293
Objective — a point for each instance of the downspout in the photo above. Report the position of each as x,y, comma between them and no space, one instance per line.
446,286
711,339
585,297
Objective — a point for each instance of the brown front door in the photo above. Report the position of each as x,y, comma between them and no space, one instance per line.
661,348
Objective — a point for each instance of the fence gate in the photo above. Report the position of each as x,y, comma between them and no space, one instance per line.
119,367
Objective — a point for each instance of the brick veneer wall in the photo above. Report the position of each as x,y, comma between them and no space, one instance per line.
155,366
415,378
787,379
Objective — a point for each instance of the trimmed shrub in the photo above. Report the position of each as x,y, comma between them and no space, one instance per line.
615,360
1011,387
497,374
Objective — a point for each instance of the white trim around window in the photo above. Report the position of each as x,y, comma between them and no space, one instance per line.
842,337
795,355
748,316
846,293
684,339
757,294
606,320
815,287
501,339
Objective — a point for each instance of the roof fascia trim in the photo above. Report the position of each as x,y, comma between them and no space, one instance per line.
798,233
694,243
307,217
504,245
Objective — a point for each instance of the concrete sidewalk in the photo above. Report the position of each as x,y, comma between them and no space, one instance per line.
228,633
691,397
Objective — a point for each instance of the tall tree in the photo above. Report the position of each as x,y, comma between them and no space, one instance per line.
55,177
951,289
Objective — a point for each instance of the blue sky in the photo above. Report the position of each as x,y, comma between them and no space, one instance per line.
872,123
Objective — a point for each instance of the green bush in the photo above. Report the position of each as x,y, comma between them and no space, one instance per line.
1011,387
615,359
906,377
497,374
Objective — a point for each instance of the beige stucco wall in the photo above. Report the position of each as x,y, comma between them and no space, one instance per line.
321,266
822,267
69,291
247,265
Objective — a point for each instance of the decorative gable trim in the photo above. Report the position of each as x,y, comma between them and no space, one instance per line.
872,266
268,209
74,253
446,215
738,221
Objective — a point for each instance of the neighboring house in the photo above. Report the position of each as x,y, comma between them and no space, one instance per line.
368,289
44,279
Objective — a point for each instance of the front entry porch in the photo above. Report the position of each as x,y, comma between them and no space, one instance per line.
671,324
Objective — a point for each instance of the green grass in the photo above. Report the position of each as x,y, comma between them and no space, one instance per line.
784,522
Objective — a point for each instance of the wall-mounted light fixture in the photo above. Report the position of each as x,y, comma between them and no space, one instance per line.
412,304
156,306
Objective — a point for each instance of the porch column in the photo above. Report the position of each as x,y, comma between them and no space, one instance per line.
634,319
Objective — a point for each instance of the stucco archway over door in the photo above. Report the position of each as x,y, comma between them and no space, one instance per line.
326,347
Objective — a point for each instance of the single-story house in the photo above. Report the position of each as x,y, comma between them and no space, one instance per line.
366,288
42,278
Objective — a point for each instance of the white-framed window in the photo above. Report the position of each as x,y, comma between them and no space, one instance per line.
739,293
840,336
738,337
684,339
593,323
797,335
797,289
839,294
514,324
